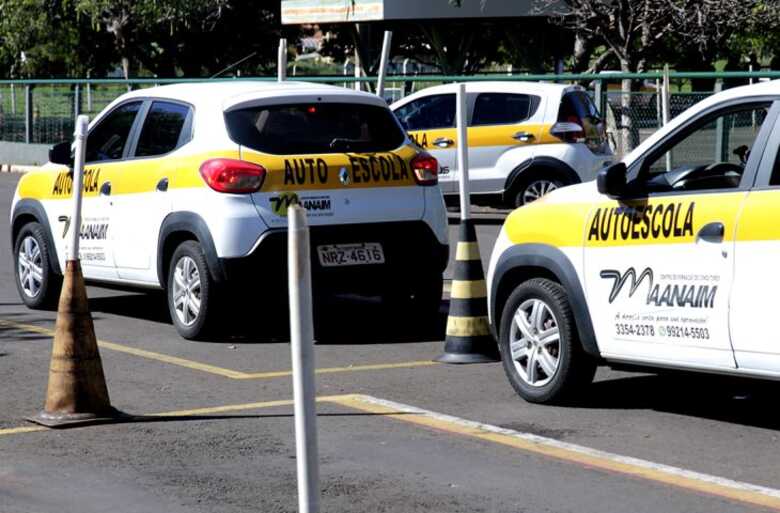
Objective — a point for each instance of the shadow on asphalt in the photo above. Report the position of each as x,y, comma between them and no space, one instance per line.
338,320
740,401
144,419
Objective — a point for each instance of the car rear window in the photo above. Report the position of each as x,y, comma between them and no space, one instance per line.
315,128
576,106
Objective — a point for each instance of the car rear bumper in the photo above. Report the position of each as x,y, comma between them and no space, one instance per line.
411,253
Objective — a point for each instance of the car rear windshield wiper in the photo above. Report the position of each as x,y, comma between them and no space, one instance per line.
342,143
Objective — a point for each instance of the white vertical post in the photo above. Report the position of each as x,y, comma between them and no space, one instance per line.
357,70
13,99
80,134
302,342
380,84
461,113
282,63
665,111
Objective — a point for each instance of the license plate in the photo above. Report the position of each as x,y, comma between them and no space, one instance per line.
336,255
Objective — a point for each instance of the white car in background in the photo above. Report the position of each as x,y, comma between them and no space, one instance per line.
525,138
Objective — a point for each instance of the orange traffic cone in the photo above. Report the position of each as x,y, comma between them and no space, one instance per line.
77,392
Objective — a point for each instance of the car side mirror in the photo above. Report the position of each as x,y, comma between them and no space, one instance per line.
60,154
612,180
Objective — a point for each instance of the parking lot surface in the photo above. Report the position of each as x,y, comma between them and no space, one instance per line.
397,432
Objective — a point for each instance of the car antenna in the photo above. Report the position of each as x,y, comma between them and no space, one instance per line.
234,64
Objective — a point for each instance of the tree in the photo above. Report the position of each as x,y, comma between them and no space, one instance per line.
632,32
47,38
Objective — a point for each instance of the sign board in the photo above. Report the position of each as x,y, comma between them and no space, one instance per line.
300,12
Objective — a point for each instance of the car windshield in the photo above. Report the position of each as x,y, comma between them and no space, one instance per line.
315,128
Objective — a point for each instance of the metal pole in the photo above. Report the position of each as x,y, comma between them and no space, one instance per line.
282,63
461,113
665,111
721,148
598,96
80,134
28,113
380,82
76,101
358,86
13,99
302,344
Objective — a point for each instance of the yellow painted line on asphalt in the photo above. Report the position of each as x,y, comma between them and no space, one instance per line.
20,430
591,458
173,360
220,371
350,368
571,453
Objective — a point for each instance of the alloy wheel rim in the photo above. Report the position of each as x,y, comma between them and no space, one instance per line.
534,342
30,266
186,291
537,189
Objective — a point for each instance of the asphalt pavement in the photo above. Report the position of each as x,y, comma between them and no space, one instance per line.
214,431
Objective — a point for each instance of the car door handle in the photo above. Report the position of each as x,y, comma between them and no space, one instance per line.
711,232
105,189
162,185
524,136
443,142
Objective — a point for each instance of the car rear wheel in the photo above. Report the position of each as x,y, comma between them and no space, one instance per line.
540,349
532,188
38,285
191,291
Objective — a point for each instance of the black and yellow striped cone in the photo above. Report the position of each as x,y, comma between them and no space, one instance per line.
468,332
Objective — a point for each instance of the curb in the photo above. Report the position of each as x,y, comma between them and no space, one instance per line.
14,168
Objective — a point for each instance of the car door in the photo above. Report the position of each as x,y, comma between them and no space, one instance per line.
501,122
106,154
430,121
754,333
142,199
659,263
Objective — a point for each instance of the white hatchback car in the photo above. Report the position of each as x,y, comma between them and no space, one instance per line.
525,138
187,186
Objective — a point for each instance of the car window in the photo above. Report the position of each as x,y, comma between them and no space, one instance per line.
429,112
576,106
315,128
711,154
503,109
108,139
162,129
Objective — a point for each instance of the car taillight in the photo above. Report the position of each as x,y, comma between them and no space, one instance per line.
234,176
426,169
570,131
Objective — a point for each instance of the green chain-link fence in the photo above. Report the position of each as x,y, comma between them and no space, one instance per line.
53,105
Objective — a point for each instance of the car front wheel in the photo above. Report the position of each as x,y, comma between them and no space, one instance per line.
38,285
540,349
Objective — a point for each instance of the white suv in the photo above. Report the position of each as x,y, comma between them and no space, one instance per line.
525,138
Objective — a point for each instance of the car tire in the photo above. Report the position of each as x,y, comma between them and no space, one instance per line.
540,367
532,187
38,285
191,292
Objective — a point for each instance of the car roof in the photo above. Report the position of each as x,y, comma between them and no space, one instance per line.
224,94
496,86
